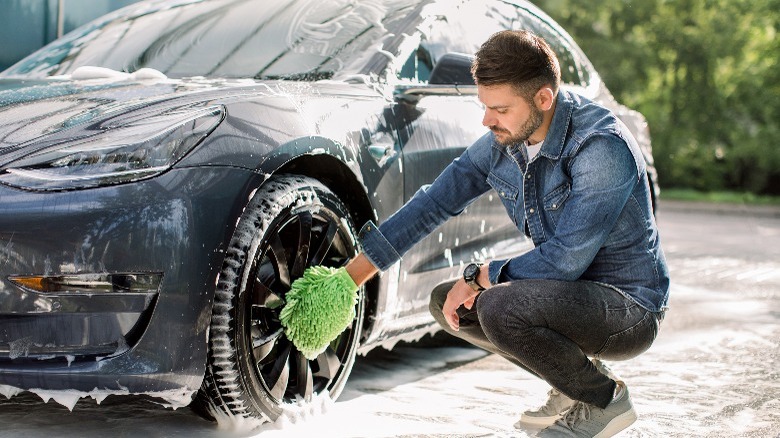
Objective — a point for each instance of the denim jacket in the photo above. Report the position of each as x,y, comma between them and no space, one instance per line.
584,200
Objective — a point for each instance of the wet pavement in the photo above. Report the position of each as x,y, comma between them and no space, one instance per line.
714,370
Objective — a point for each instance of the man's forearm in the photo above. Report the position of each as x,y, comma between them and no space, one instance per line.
361,269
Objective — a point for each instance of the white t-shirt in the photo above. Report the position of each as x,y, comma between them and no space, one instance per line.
532,150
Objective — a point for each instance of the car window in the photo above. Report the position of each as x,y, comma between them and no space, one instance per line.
298,39
449,26
418,66
463,26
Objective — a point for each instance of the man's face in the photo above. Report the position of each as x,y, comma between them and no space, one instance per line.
511,118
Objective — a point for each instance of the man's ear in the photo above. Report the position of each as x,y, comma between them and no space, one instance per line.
544,98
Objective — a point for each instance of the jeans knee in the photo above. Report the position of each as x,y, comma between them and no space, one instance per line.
491,309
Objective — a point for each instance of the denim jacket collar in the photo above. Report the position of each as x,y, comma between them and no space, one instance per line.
556,136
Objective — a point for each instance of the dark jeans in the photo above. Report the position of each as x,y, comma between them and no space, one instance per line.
550,328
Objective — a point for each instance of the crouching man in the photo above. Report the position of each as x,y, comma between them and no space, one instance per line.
596,284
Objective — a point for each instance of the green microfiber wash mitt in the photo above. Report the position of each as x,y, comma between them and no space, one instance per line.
320,305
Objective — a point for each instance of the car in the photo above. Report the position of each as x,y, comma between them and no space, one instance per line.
168,170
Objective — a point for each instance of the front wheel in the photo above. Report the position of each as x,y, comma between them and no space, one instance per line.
291,223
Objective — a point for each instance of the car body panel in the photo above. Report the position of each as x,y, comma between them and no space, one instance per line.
95,232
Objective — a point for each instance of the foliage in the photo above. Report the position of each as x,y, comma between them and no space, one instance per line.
720,197
703,72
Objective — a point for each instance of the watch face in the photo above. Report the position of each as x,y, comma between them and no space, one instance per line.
471,271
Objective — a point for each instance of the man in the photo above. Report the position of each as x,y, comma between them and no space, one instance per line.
596,283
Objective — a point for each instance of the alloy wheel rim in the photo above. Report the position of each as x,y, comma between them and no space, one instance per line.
299,240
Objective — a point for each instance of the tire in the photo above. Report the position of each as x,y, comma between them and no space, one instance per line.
253,370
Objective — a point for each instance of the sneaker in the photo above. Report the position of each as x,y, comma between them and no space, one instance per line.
586,421
557,404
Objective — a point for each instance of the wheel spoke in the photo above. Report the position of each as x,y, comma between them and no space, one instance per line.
280,256
328,363
304,380
279,377
263,345
263,296
304,241
325,243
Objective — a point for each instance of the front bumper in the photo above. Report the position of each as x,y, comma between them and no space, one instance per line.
172,228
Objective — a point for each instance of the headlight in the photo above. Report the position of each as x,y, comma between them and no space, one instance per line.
119,152
90,284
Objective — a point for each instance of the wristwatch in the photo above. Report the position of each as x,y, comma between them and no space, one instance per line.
470,274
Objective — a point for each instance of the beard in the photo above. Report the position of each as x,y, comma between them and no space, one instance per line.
523,133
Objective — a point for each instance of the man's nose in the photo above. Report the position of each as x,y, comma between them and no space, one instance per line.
488,119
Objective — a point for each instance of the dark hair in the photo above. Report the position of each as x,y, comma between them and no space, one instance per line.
519,58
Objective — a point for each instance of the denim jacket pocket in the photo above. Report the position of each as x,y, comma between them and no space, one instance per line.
555,199
506,191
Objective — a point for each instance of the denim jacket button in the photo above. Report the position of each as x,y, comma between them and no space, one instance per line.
527,176
531,211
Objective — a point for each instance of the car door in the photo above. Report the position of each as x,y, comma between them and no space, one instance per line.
437,122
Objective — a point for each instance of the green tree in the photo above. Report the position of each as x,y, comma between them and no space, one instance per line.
703,72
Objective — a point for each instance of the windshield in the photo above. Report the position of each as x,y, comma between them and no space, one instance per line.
263,39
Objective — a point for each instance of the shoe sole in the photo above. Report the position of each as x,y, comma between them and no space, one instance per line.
537,422
617,424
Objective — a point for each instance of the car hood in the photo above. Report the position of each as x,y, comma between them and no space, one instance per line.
36,113
32,109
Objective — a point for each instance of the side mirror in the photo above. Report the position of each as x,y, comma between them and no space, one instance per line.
452,69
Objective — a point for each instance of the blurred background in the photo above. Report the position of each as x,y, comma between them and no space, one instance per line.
27,25
703,72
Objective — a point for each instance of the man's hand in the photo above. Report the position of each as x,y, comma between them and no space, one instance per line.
460,294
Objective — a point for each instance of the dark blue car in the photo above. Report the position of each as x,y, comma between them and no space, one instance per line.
168,170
